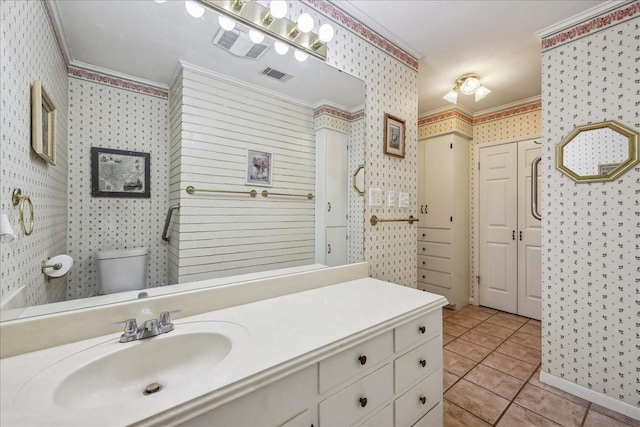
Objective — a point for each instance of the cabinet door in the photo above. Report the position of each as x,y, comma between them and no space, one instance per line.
421,185
336,176
529,236
336,246
437,184
498,225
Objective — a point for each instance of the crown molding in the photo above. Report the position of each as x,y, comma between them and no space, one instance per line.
51,9
237,82
445,109
117,75
509,106
581,17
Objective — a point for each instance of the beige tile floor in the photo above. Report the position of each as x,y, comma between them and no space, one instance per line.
491,369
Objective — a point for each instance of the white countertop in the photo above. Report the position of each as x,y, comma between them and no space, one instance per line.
285,334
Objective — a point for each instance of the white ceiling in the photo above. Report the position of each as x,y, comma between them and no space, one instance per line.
495,39
146,40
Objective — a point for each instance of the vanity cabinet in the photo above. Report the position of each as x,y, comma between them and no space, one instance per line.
443,230
391,379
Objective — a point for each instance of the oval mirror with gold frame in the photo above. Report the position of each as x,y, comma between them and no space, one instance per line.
598,152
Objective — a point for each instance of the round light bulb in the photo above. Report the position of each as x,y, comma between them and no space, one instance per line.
325,33
278,8
281,48
194,9
301,56
470,85
160,1
227,24
305,23
256,36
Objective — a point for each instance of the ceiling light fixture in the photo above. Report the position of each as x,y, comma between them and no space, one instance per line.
226,23
467,85
256,36
271,21
281,48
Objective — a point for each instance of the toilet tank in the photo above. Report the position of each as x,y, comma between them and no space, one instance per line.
122,270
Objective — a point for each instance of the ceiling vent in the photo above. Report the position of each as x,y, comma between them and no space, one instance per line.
278,75
239,44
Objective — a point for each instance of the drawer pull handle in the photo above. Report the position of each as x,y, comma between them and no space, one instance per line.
363,401
423,363
422,329
423,400
362,359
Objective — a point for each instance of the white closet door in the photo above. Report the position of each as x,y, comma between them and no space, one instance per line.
529,236
337,161
438,157
336,246
498,224
421,184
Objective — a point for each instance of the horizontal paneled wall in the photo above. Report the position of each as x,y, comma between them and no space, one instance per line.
212,129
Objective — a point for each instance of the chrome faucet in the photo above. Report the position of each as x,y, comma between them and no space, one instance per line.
149,329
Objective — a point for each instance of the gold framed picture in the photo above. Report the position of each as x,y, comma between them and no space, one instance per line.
394,142
43,123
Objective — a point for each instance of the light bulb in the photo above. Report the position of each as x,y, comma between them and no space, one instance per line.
325,33
481,93
470,85
227,24
301,56
160,1
256,36
281,48
305,23
278,8
194,8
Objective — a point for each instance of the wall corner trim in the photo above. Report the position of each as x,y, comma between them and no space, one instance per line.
591,395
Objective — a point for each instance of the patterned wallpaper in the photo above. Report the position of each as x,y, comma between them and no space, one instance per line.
28,52
590,239
354,125
510,124
102,115
391,79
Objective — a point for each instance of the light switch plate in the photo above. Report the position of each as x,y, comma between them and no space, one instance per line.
375,197
392,198
403,200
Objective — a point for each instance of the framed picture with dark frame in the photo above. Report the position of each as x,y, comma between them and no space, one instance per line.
394,136
43,123
119,173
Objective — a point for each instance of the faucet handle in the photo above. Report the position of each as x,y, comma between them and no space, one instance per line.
165,317
130,330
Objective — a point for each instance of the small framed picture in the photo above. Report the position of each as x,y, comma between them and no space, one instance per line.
43,123
259,168
394,128
118,173
606,168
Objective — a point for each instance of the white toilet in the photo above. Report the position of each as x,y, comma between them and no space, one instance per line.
122,270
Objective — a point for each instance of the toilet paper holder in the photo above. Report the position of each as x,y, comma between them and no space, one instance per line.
57,266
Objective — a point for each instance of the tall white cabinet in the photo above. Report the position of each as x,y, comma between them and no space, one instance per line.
332,162
509,253
443,229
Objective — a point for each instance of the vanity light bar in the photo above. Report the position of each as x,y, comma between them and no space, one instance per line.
256,16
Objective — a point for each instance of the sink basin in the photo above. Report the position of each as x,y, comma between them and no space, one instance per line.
114,373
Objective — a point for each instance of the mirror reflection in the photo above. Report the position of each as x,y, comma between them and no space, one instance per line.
598,152
212,110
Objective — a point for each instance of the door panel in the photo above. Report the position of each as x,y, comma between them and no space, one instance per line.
337,160
529,236
336,246
437,188
498,224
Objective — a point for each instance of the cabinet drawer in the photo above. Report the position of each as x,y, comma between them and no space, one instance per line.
435,417
434,263
354,360
438,235
418,400
442,250
436,278
417,330
383,418
301,420
349,405
418,363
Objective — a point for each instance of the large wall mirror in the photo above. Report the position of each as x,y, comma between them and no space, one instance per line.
240,98
598,152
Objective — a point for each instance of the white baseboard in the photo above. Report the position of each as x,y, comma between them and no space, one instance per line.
590,395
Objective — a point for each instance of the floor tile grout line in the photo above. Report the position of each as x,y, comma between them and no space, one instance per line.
516,395
586,414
